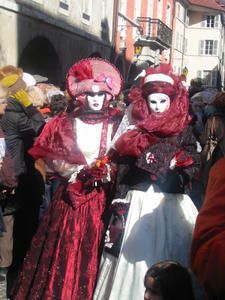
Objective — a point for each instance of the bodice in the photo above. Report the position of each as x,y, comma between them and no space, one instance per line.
89,138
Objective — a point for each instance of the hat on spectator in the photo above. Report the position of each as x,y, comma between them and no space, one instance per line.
11,79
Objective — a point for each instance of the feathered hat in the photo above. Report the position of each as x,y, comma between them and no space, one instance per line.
93,75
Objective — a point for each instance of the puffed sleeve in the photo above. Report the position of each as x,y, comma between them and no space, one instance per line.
188,143
57,142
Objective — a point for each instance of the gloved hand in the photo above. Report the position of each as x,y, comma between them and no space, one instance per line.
22,97
172,182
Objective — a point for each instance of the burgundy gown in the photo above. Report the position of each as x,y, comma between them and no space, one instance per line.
63,260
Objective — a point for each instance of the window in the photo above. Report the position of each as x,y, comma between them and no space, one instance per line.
123,6
210,21
150,9
137,13
187,19
104,23
86,11
180,12
168,15
137,9
209,78
179,41
208,47
160,9
64,4
122,23
103,9
179,70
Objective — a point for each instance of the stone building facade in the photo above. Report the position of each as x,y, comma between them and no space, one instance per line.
46,37
198,44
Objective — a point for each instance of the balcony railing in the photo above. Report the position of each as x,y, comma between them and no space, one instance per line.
154,30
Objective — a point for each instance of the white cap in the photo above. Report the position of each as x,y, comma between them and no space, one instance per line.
158,77
29,79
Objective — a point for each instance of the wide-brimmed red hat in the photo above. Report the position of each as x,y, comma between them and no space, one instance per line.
93,75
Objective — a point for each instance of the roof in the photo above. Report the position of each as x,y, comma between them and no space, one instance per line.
207,3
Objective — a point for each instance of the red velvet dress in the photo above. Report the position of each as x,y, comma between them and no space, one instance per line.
63,260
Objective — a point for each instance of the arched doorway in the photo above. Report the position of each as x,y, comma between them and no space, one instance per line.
95,54
40,57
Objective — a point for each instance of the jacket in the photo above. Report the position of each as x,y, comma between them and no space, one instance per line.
21,125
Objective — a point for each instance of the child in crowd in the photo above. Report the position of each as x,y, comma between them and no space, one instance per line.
168,280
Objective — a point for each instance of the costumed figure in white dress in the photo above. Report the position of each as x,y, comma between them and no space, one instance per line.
63,260
152,217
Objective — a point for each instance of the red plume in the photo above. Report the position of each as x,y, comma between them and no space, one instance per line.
81,71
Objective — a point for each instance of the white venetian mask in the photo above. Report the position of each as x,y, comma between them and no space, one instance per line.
158,102
95,100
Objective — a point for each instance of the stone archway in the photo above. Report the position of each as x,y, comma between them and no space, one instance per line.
40,57
95,54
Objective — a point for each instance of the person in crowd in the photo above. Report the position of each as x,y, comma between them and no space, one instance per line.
213,137
208,244
152,218
58,104
63,260
21,123
195,86
168,280
8,202
37,97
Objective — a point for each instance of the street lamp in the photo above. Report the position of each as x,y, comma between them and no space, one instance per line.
137,50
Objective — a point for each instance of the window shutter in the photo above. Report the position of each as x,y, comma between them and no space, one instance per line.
214,78
201,47
204,21
216,21
215,44
199,74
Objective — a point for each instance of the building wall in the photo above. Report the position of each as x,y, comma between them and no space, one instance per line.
65,30
187,36
179,32
128,33
196,61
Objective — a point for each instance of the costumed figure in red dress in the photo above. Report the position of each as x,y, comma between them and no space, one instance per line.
63,260
152,217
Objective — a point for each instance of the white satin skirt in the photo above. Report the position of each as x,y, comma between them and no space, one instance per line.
159,227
